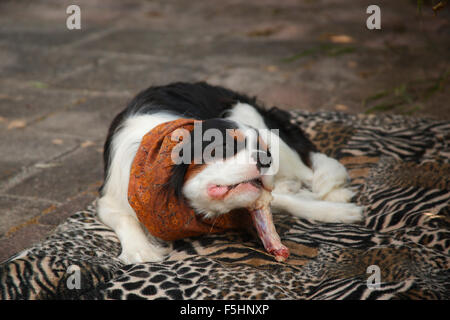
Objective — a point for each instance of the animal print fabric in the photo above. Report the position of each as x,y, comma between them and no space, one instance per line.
400,169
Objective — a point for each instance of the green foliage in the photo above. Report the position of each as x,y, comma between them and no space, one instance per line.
406,98
325,49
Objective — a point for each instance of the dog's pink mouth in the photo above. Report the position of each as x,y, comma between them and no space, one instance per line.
260,213
221,191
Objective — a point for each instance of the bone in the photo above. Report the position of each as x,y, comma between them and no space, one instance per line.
263,221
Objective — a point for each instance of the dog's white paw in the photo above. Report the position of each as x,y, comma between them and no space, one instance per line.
143,252
339,195
344,213
329,174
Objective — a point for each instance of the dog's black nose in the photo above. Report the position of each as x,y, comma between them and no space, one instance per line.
263,159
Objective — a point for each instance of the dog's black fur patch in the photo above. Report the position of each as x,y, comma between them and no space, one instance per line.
202,101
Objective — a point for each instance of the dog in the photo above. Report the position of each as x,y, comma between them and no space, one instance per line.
305,182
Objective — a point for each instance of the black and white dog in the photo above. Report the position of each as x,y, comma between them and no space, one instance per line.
307,183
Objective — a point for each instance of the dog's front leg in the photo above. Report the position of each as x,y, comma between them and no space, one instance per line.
136,245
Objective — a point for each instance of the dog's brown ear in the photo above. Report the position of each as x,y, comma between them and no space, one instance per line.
182,156
152,171
152,167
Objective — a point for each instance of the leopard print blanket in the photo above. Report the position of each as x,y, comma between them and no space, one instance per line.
400,169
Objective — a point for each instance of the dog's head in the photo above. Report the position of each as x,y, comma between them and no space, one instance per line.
223,167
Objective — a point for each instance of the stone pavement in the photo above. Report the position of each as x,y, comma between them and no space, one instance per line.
60,88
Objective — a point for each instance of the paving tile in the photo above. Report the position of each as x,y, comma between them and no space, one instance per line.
22,239
17,211
71,175
183,44
32,104
89,119
122,73
61,213
52,14
46,38
25,147
41,66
